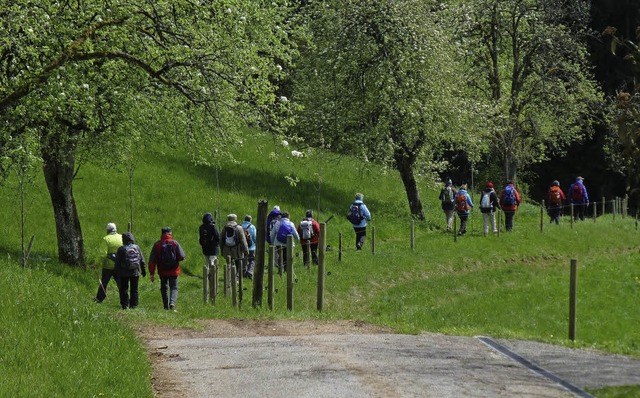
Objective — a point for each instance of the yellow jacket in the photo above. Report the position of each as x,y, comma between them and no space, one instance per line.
110,245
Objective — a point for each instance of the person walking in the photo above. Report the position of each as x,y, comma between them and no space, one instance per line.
309,231
233,242
358,215
273,216
509,202
579,198
463,207
129,266
447,202
165,257
110,244
555,198
209,241
489,203
281,230
250,234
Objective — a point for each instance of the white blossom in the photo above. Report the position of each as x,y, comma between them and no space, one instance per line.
297,154
285,143
284,99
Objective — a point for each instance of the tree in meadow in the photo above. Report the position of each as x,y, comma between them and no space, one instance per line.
380,81
529,64
75,75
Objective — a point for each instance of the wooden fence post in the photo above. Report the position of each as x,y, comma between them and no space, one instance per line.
499,221
258,271
205,279
307,249
373,239
340,246
572,299
270,275
240,274
234,286
290,272
571,215
542,217
321,259
625,205
604,209
595,211
213,281
455,227
227,276
615,208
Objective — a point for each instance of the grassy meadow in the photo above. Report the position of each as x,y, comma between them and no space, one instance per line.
56,341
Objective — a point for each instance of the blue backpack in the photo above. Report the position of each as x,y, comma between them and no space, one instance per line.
284,230
355,215
509,198
168,258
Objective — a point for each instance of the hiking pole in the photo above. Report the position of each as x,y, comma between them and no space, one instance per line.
328,219
99,280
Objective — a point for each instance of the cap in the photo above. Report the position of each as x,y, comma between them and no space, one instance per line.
489,184
556,183
579,178
111,227
309,213
231,217
166,230
448,181
276,207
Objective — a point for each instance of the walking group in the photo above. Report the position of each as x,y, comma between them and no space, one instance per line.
458,202
122,259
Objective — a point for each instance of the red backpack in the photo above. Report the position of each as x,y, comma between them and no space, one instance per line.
461,202
555,198
577,194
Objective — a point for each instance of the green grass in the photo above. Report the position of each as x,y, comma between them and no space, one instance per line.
515,285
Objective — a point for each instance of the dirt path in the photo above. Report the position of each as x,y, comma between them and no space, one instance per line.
249,358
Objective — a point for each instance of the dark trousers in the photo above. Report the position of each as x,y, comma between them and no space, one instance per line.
169,290
508,220
579,211
554,214
463,223
107,274
361,236
124,283
309,247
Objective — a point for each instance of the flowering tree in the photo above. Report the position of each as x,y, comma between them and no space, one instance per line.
81,76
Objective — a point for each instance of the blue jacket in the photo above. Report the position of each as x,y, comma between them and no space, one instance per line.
365,213
585,197
469,202
252,233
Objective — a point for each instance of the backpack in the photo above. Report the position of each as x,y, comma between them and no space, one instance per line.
168,258
555,198
230,237
576,193
247,236
509,198
306,226
355,215
284,230
461,202
485,202
446,195
133,259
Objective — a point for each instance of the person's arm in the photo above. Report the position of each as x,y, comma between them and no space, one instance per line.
152,263
586,197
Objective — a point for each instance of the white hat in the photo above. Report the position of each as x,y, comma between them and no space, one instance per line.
111,227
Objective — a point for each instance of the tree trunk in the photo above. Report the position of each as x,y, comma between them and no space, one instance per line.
405,167
58,170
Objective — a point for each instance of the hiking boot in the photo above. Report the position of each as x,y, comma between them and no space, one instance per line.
172,307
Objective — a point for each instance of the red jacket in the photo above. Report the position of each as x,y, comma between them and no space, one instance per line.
512,207
156,252
315,227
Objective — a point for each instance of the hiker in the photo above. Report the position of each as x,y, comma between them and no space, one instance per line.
463,207
233,243
488,205
129,265
509,202
273,216
110,244
309,231
358,215
250,235
447,202
209,241
579,198
166,255
279,233
555,197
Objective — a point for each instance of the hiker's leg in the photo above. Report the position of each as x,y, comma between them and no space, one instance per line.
361,236
492,215
134,282
450,214
485,227
314,253
173,287
164,286
508,220
123,289
102,285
